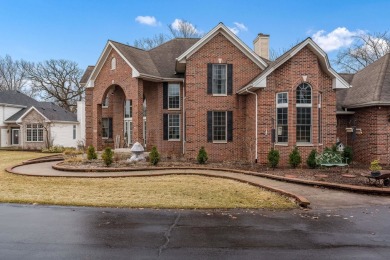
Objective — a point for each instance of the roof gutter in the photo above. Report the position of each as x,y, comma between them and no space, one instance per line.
12,105
370,104
159,79
256,126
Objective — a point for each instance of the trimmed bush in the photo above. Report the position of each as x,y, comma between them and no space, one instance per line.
374,166
91,154
154,156
294,159
311,159
348,154
273,158
107,156
53,149
202,156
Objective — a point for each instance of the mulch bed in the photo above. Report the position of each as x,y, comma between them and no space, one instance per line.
351,175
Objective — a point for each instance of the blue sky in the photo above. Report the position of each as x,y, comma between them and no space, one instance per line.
78,30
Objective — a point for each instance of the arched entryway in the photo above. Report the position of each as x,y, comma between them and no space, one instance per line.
115,111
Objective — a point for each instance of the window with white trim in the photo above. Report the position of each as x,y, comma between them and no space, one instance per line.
282,117
173,96
173,126
113,63
304,117
74,132
219,79
320,118
105,102
106,128
128,108
34,133
219,126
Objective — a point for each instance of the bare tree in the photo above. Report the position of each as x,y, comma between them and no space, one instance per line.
178,29
183,29
150,43
12,74
57,81
365,49
276,53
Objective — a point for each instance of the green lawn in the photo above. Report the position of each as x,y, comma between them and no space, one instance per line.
173,191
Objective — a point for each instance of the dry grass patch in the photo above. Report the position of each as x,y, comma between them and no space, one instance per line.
176,191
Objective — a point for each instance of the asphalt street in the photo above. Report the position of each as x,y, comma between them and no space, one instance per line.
50,232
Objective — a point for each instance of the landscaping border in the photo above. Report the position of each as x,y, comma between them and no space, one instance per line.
346,187
300,200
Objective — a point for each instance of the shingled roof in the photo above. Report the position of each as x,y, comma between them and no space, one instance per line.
370,86
260,80
50,110
158,62
86,74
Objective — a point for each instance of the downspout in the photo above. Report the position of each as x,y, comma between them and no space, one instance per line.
183,119
256,127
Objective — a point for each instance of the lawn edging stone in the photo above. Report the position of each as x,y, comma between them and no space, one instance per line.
353,188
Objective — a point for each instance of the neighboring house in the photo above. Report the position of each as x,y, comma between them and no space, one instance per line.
364,112
29,124
213,92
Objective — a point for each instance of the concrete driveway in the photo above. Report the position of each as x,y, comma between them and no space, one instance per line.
40,232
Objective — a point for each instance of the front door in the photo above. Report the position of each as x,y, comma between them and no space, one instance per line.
15,136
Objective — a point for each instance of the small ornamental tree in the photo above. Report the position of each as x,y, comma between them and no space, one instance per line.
154,156
202,156
273,158
91,154
294,158
107,156
311,159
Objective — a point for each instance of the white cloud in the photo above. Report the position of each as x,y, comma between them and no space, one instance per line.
235,30
336,39
148,20
241,26
176,24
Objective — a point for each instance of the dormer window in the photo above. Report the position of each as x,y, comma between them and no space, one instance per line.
113,63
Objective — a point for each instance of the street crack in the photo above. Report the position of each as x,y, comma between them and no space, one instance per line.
167,235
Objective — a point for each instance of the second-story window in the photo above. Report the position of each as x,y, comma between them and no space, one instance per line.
219,79
128,109
105,102
173,96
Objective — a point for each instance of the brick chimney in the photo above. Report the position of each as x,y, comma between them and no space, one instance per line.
261,45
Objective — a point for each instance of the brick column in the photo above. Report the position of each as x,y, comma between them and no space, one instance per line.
138,113
89,138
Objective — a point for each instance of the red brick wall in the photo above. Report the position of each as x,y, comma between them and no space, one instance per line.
126,88
198,102
374,142
286,79
154,120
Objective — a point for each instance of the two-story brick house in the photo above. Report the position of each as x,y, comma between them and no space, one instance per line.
214,92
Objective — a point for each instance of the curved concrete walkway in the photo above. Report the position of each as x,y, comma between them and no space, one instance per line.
319,197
